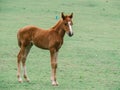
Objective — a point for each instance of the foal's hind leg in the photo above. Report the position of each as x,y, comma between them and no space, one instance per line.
22,57
27,49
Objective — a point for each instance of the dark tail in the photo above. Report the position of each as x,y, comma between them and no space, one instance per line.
18,39
19,43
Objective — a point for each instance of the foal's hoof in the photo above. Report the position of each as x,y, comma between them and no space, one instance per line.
27,79
20,80
55,83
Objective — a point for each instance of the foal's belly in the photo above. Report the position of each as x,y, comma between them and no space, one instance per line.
41,44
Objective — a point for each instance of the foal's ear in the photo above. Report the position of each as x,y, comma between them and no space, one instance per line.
62,15
71,16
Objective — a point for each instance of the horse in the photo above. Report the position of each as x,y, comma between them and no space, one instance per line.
51,39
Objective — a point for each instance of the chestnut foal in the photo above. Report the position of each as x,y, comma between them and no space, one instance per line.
51,40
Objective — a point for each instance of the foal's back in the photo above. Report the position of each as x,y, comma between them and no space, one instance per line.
29,30
32,34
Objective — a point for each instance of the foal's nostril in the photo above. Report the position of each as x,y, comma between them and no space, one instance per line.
70,34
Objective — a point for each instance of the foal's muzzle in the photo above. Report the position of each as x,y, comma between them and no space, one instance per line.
70,34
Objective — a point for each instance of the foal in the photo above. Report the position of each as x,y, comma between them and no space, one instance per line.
51,40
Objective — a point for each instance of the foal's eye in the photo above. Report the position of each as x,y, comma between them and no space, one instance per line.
66,24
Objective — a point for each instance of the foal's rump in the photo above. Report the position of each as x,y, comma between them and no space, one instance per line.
26,34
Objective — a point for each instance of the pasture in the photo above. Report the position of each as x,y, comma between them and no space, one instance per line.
90,60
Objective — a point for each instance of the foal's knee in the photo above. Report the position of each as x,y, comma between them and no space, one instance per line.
23,60
19,58
54,65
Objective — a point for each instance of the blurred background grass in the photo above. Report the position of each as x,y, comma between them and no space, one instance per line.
87,61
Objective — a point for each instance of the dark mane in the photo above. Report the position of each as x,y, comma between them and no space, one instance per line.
57,24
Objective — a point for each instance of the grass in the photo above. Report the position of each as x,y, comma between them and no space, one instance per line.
90,60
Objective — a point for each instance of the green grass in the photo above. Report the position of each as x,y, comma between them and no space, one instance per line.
90,60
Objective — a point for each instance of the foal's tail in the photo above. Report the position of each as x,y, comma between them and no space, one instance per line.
19,43
18,39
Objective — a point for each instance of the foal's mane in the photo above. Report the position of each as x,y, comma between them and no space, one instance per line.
58,24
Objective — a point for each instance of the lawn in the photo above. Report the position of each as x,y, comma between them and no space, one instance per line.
90,60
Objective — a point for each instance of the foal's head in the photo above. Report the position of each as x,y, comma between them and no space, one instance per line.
67,23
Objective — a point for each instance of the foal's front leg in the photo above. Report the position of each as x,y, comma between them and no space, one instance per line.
53,66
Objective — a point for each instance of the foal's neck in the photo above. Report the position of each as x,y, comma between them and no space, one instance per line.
58,28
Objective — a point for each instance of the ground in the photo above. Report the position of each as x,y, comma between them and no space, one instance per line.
90,60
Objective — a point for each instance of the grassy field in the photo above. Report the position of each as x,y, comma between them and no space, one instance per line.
90,60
